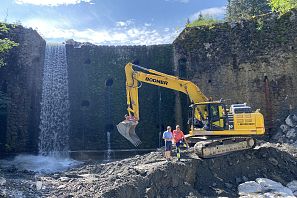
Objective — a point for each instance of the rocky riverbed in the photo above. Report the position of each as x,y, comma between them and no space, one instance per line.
150,175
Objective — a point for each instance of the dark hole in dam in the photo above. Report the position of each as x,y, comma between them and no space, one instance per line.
109,82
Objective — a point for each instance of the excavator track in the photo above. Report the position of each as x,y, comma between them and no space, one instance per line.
221,146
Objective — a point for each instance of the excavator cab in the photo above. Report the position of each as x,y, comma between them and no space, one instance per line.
210,116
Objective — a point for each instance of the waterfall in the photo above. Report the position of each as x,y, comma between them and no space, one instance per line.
54,117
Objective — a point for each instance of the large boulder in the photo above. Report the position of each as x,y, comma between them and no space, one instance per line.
249,187
264,187
293,186
291,120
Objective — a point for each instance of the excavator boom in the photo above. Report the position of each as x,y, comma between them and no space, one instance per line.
127,127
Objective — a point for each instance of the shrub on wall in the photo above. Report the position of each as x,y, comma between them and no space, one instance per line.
5,43
283,6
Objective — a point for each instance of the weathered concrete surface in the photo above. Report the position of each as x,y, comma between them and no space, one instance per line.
98,95
21,81
244,62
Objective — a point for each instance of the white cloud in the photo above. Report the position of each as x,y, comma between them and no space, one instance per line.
56,31
124,23
52,2
212,12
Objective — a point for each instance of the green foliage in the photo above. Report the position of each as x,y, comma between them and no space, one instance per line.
204,21
282,6
246,9
5,43
260,24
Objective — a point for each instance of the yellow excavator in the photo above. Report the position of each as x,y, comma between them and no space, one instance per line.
213,129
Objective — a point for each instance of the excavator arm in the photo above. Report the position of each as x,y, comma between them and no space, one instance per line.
133,78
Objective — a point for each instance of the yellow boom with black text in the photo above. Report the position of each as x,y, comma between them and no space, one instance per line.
214,129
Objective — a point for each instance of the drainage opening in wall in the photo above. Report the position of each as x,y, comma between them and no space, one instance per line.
87,61
85,103
109,82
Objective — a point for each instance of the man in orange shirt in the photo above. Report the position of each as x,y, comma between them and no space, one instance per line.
179,140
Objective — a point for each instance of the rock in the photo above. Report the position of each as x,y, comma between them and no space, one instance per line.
249,187
140,171
293,186
228,185
291,133
278,136
290,120
238,180
2,181
245,179
268,184
275,187
64,179
284,127
273,161
38,185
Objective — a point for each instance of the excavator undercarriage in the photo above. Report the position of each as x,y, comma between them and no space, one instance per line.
213,147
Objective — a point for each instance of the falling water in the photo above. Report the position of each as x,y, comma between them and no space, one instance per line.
54,118
108,156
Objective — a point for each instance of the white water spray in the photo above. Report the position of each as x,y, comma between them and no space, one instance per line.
54,118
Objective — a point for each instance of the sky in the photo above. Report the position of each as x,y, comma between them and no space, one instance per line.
109,22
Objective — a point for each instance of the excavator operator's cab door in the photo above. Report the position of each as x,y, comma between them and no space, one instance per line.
212,115
216,116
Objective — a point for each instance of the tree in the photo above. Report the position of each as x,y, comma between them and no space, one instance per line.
245,9
283,6
5,43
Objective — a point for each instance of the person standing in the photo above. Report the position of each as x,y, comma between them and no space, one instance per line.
167,136
179,140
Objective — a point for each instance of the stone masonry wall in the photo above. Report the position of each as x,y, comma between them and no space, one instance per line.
98,95
21,82
249,61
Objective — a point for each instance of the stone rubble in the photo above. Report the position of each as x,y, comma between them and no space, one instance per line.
267,171
287,132
267,188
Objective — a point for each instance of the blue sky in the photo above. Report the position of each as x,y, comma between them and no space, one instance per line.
109,22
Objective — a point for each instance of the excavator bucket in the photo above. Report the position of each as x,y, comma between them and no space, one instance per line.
127,129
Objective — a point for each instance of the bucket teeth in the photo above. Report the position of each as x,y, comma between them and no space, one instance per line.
127,129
